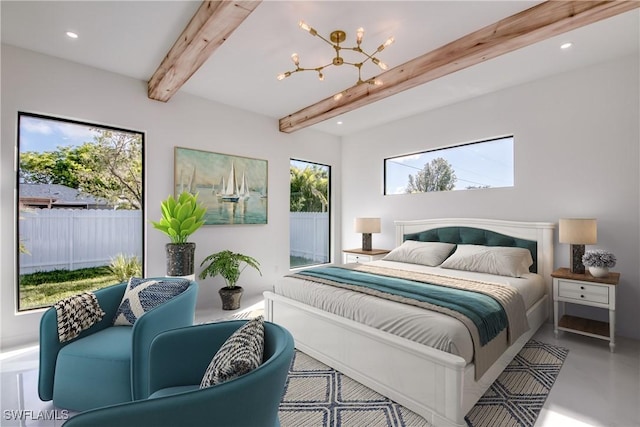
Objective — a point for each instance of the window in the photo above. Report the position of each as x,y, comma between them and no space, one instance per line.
484,164
80,208
309,227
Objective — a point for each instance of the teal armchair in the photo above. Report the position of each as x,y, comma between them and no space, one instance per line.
106,364
177,363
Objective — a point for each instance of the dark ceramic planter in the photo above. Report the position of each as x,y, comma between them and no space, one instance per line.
180,258
231,297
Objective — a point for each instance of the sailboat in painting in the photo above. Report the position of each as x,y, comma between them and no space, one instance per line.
231,193
244,188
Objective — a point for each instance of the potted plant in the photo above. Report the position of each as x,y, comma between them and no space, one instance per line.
229,265
599,262
180,219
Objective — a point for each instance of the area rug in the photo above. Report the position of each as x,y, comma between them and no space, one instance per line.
318,396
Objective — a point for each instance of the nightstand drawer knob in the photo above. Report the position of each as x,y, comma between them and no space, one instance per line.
581,296
582,287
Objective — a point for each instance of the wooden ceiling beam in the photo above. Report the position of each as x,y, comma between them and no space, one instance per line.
514,32
208,29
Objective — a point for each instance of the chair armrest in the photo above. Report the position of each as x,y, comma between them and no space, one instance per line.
251,400
179,311
109,299
181,356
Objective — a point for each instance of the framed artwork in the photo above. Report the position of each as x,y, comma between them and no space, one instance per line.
232,188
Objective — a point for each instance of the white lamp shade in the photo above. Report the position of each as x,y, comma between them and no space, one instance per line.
578,231
367,225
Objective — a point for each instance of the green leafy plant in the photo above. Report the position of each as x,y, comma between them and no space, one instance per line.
229,265
180,218
124,267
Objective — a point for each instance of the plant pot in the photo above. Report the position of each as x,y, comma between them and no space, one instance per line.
231,297
180,258
599,271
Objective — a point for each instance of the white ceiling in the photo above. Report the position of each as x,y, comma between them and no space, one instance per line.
132,37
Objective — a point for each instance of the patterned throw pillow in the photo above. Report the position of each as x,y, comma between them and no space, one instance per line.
142,295
240,354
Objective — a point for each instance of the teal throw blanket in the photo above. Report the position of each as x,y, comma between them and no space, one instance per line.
485,312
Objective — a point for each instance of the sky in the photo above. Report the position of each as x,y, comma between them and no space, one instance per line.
42,135
478,164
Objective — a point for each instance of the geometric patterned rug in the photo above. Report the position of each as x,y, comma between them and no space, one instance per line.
517,396
317,395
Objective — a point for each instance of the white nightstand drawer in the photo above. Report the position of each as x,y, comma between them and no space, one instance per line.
356,258
583,291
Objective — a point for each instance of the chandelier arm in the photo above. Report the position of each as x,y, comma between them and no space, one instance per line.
317,69
328,41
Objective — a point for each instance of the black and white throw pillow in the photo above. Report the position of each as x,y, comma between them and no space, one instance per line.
142,295
241,353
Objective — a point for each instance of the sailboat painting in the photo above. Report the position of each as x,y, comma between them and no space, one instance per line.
232,188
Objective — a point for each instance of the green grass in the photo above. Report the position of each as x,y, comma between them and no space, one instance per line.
43,289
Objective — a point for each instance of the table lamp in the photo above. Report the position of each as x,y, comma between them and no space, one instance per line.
366,226
578,232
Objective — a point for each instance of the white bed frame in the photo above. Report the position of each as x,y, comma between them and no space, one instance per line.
438,386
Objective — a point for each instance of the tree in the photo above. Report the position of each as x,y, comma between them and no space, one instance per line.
438,175
309,189
110,167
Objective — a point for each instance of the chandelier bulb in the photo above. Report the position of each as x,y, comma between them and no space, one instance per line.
295,58
380,64
359,35
283,76
389,42
306,27
320,76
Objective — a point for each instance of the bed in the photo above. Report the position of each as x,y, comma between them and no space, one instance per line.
439,384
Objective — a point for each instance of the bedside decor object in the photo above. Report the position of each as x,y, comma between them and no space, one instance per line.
599,262
335,38
366,226
180,219
577,232
229,265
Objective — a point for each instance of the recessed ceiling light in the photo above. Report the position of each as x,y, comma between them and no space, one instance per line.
338,123
72,35
566,45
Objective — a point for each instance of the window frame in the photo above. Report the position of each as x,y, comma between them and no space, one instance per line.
16,215
466,144
329,215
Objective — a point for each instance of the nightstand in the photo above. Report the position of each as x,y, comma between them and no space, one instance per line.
584,289
361,256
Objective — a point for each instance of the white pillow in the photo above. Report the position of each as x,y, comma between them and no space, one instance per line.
424,253
503,261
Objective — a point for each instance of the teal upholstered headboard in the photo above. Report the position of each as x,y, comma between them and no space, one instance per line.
476,236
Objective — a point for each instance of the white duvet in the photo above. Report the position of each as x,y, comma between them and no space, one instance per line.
414,323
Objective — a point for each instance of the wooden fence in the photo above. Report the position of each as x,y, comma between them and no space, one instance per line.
77,238
309,235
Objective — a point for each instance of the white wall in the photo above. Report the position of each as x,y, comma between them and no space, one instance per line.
37,83
576,155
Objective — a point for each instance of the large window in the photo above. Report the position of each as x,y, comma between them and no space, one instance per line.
309,226
80,208
483,164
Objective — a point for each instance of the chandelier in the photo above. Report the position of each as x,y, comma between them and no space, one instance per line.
335,38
